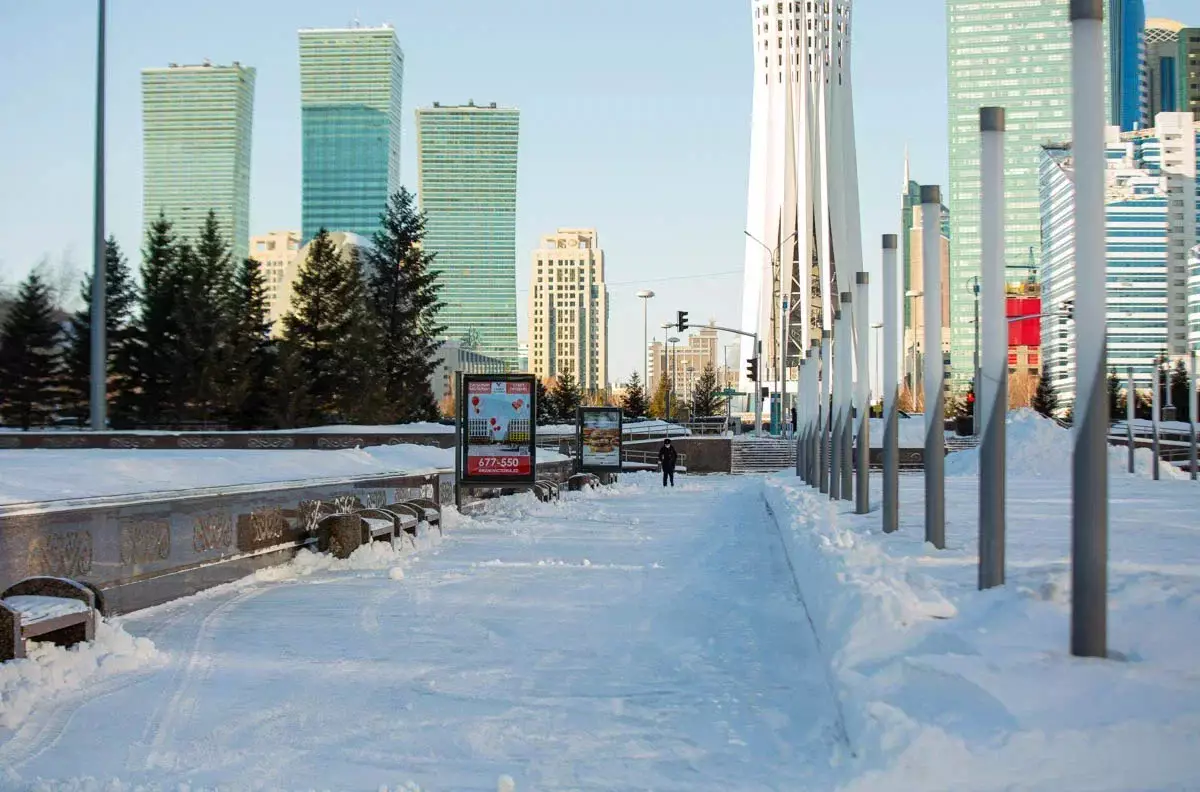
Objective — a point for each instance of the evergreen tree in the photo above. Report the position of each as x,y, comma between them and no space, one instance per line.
203,313
566,398
120,298
545,407
155,339
633,403
706,395
248,357
659,401
30,358
403,294
290,405
1179,391
329,326
1116,401
1045,400
363,397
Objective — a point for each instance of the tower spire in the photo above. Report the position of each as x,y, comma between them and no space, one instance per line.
907,177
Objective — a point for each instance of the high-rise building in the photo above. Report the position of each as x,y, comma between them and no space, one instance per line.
1189,75
1151,216
1194,299
1127,72
196,130
276,253
913,214
568,309
1017,55
467,185
1162,66
351,81
684,362
803,242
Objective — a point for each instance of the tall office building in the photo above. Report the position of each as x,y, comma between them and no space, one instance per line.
467,185
276,254
1017,55
196,130
1127,73
568,309
912,250
684,362
1162,66
1151,216
350,90
1189,75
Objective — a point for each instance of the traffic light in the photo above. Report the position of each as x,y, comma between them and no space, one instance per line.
752,369
681,320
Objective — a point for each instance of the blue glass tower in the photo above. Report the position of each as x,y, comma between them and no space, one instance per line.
1127,20
350,92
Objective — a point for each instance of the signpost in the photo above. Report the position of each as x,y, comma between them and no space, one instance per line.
497,431
599,439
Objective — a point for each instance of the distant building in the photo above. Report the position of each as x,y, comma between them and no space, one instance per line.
196,136
523,357
683,362
913,275
1127,74
452,359
351,84
1151,216
276,253
1172,68
568,309
343,245
467,185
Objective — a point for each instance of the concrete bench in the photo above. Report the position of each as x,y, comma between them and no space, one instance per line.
581,480
409,516
46,608
430,511
545,491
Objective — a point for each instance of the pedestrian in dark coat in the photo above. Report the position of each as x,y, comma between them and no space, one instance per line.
666,460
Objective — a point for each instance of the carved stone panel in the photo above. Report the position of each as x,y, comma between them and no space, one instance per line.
201,442
266,526
271,442
212,531
145,541
66,554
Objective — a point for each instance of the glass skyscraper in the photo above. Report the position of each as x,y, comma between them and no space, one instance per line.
1014,54
196,130
350,92
467,184
1127,66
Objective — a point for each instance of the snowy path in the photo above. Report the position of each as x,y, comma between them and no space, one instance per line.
624,639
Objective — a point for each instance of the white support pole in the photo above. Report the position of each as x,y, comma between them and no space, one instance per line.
835,412
862,489
935,370
891,385
814,397
1154,420
826,413
992,375
1193,360
846,381
800,416
1089,485
1130,415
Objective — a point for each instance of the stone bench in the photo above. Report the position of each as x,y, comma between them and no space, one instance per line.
46,608
581,480
430,511
545,490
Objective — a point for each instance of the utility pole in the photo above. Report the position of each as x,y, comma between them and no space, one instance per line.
99,321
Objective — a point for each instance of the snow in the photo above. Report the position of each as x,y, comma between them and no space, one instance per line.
412,428
910,431
945,687
36,608
624,638
53,676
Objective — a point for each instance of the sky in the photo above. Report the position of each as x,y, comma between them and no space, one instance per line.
635,120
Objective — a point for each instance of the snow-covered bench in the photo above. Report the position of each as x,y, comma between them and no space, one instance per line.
430,511
581,480
545,490
47,608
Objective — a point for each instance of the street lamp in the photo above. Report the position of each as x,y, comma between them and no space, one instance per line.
671,380
98,406
974,284
645,296
785,309
914,371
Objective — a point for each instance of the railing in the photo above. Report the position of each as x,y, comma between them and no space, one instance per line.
648,457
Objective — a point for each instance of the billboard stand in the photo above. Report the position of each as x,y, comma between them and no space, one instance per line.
598,435
458,439
497,442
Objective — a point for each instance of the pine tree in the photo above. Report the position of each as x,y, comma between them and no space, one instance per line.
30,358
566,398
545,407
155,339
120,298
706,395
203,314
248,357
329,328
1045,400
633,403
659,401
289,402
1179,391
403,294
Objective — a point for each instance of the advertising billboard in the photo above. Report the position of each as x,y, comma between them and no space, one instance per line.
497,429
599,439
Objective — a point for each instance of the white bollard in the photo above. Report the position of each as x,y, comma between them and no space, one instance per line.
935,370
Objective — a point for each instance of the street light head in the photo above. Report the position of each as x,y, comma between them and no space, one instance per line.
914,294
673,340
645,294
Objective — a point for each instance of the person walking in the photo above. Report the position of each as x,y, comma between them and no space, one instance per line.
666,460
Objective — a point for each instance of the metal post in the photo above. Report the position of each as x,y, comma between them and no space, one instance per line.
846,383
835,410
459,436
783,345
991,382
1130,416
826,410
1193,359
99,322
757,388
1089,493
1154,418
891,385
814,398
975,374
862,490
935,370
800,408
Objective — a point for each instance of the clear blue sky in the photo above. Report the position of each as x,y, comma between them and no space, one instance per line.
634,120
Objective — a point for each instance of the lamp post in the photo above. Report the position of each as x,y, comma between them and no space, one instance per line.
645,296
914,371
99,350
671,379
781,368
975,371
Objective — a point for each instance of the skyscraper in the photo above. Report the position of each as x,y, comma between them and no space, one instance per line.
196,129
467,185
1127,74
276,254
911,219
1162,66
802,210
1017,55
568,309
350,90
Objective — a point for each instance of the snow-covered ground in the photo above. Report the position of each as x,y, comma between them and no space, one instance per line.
948,688
627,638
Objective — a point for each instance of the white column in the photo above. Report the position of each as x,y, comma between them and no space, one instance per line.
825,412
891,384
935,370
846,383
862,346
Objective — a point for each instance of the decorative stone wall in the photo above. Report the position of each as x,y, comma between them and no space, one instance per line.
202,441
